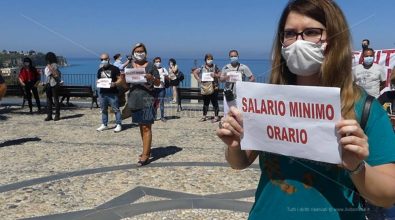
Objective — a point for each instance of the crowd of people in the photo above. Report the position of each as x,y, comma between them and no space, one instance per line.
312,48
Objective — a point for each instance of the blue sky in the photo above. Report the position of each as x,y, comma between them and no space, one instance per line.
171,28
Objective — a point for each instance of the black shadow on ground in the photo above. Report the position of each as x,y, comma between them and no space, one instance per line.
172,117
18,141
72,116
129,126
162,152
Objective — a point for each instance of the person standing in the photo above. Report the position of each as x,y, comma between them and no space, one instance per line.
29,78
365,44
173,75
141,99
3,87
235,66
160,90
370,76
208,76
293,188
109,96
118,62
52,86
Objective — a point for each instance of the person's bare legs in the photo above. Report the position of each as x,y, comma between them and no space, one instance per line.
146,135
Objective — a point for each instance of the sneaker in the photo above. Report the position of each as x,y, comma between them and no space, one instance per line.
48,119
204,118
102,128
118,128
163,119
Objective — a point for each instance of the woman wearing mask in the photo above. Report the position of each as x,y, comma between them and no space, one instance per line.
291,188
173,75
29,78
141,99
208,76
160,90
52,85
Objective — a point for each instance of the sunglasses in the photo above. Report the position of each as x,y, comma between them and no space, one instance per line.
103,59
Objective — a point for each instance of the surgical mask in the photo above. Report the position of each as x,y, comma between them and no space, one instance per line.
104,63
209,62
26,63
139,56
234,60
157,64
368,60
304,58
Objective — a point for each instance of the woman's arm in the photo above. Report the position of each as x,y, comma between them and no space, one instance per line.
376,184
230,132
196,74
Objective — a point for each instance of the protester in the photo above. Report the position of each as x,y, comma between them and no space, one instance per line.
118,62
141,99
365,44
370,76
208,86
233,66
3,87
53,82
292,188
160,90
109,96
174,81
29,78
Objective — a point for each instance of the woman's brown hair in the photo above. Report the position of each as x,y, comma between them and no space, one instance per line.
336,68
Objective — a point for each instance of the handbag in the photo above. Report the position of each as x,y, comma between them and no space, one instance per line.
207,88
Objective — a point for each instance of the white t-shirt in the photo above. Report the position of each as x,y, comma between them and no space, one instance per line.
162,72
370,79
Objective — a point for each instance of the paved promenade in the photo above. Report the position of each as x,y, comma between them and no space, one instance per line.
68,170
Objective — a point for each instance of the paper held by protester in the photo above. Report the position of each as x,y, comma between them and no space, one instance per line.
233,76
207,77
103,83
135,75
297,121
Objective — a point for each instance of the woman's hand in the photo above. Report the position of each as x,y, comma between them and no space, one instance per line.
231,128
354,142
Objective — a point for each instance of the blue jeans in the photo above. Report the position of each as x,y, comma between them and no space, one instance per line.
160,94
105,101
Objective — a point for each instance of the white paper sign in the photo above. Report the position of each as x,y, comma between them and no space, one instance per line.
103,83
297,121
207,77
135,75
233,76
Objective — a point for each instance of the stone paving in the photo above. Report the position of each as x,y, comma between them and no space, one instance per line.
68,170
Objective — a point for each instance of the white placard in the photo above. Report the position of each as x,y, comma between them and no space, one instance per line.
135,75
207,77
297,121
233,76
104,83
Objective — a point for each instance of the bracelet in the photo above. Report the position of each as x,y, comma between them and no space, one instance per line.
357,170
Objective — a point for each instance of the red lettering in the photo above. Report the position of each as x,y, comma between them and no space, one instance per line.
388,56
263,107
293,108
277,133
281,109
378,54
270,107
330,112
287,134
269,132
251,106
244,103
256,107
319,110
284,135
291,132
303,136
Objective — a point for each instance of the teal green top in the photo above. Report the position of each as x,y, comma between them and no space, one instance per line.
293,188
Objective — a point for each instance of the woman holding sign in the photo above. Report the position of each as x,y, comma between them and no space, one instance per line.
142,76
208,76
313,48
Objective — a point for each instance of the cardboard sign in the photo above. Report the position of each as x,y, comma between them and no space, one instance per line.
233,76
297,121
135,75
103,83
207,77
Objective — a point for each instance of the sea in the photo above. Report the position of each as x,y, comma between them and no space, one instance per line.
82,71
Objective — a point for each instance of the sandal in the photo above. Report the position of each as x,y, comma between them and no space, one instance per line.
204,118
141,162
215,119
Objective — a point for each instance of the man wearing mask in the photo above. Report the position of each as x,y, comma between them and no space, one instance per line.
370,76
109,96
118,62
232,72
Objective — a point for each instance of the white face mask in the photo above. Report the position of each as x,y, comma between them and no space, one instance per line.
209,62
139,56
157,64
304,58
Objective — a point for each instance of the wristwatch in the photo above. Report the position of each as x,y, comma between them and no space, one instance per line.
357,170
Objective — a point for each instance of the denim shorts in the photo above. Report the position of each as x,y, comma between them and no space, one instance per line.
144,116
